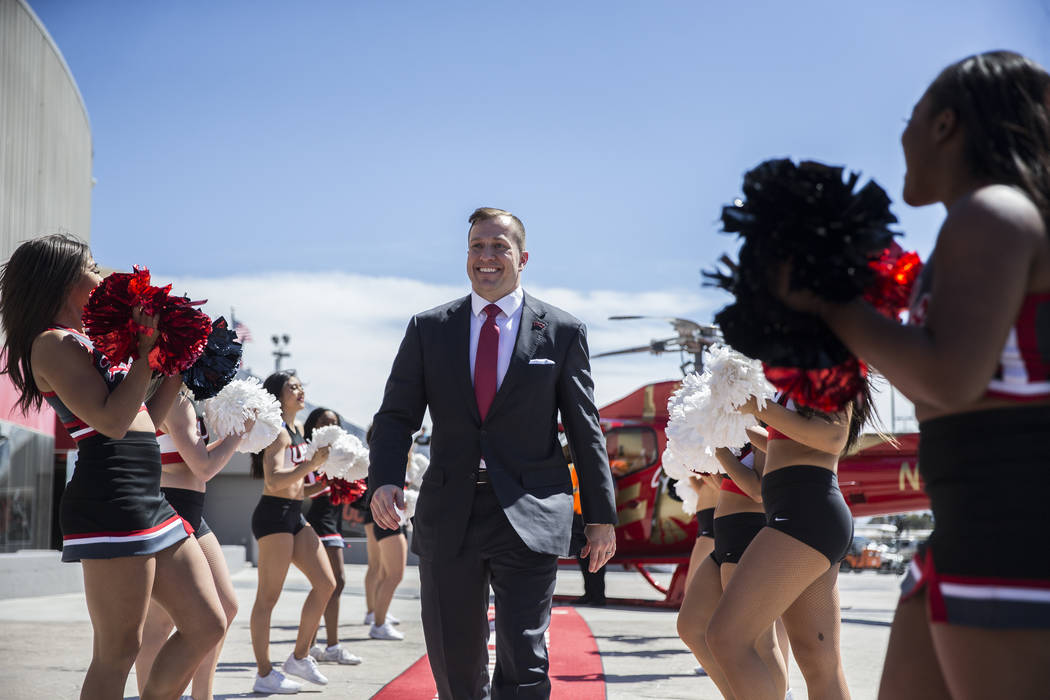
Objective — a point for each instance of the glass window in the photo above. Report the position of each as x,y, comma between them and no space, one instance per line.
630,449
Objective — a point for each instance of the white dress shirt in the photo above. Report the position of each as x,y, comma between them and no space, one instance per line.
508,321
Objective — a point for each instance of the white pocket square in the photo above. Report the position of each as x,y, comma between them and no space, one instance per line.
540,361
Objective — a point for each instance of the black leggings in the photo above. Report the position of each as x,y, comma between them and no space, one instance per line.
805,502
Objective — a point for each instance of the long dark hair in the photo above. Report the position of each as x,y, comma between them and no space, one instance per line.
34,284
1002,100
273,384
863,410
315,415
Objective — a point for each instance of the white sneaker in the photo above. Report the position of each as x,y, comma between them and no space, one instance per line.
340,656
317,651
790,695
385,631
305,668
370,619
275,683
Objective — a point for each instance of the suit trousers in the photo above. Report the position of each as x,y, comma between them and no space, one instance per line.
454,594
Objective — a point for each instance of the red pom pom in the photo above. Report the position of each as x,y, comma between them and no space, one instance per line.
895,275
345,491
829,390
108,322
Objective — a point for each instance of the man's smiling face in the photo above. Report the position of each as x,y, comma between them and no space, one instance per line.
494,261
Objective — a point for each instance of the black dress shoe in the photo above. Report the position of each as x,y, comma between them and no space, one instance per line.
588,599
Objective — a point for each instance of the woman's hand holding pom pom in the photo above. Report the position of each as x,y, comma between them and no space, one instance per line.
320,456
147,330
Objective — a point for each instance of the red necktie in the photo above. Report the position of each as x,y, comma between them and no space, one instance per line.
485,361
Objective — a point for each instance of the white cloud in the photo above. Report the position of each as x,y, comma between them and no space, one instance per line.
345,328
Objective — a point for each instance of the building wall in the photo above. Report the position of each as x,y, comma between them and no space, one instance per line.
45,187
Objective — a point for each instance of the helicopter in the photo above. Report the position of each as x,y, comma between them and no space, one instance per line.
877,477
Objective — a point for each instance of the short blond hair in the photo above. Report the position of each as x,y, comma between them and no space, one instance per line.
486,213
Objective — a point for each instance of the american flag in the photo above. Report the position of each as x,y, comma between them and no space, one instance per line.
243,334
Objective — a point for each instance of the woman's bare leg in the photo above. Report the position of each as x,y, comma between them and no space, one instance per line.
979,662
118,593
309,557
204,678
275,554
331,611
372,573
702,549
814,626
701,598
183,585
393,552
774,571
911,670
155,632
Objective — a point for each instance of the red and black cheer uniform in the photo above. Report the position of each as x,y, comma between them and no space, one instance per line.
985,564
113,506
734,532
274,514
187,502
325,517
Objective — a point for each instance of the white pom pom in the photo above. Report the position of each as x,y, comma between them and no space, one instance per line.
690,498
411,496
239,402
352,455
731,379
685,440
417,466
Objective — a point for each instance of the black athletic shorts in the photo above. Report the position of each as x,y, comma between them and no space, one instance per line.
705,523
382,533
327,521
805,502
190,505
733,533
273,515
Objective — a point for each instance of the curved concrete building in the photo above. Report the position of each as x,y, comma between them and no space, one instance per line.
45,187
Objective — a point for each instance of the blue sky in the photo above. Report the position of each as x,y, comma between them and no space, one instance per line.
300,141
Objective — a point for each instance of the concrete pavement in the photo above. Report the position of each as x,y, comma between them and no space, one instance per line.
45,645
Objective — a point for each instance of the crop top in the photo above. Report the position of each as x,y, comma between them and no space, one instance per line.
295,454
168,453
1023,373
748,460
113,375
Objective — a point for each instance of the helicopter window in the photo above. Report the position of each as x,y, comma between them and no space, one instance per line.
630,449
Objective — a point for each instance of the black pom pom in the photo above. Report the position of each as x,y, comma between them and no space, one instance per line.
217,366
813,217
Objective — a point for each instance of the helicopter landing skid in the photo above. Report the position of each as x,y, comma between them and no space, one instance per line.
672,593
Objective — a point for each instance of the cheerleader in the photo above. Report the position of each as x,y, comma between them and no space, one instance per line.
326,519
707,488
737,518
286,538
790,568
974,621
188,462
132,545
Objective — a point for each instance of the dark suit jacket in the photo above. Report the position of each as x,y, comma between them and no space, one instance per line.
518,438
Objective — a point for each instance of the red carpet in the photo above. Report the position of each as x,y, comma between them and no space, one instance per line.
576,668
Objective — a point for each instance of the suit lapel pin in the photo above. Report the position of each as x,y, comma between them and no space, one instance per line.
538,325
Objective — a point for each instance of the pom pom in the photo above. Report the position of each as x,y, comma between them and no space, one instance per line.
690,498
217,366
239,402
826,390
411,498
347,455
113,332
342,492
417,466
895,274
830,232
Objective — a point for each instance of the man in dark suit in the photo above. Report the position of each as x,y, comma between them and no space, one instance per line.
495,506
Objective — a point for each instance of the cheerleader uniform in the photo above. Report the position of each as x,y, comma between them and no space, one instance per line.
325,517
805,502
188,503
113,506
734,532
985,564
274,514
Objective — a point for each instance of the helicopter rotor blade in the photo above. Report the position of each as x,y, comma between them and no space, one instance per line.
624,351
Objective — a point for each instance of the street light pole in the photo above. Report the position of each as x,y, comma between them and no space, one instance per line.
280,350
